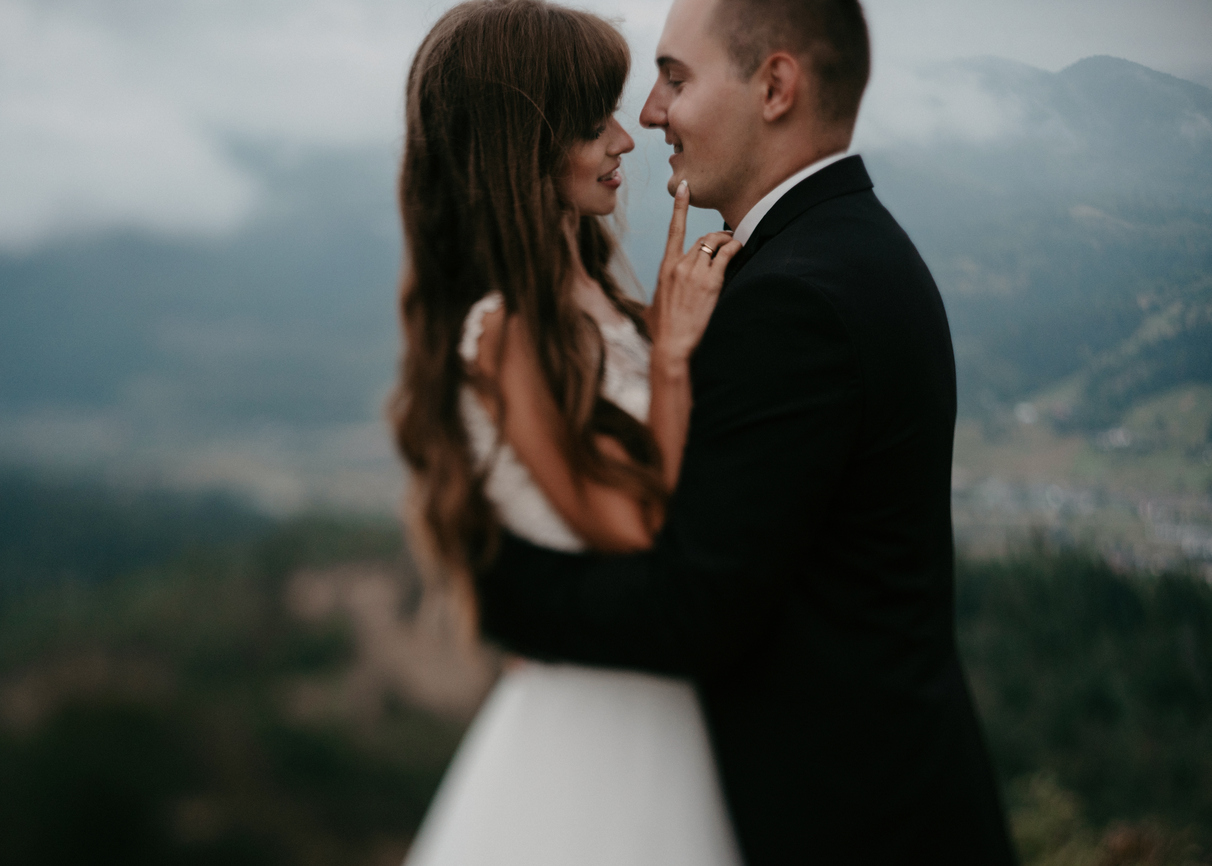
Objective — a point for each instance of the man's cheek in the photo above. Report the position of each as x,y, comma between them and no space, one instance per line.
684,136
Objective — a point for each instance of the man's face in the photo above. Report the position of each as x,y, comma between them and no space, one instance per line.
709,114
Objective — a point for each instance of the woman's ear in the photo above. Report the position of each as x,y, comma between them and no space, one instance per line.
783,82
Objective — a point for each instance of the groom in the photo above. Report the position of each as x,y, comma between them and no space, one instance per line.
803,579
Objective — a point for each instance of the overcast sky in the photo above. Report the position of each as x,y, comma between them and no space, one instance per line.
125,112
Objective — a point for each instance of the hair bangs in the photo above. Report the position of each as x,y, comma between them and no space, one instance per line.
592,66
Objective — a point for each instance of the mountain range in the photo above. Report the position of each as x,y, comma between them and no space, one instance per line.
1072,245
1078,243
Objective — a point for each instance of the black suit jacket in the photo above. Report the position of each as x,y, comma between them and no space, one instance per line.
803,579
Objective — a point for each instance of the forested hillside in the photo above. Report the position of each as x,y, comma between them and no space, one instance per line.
217,702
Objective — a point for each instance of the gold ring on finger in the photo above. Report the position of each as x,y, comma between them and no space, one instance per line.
708,250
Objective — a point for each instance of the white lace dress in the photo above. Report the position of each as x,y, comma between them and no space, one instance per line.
568,765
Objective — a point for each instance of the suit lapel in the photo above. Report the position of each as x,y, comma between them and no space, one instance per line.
738,261
845,176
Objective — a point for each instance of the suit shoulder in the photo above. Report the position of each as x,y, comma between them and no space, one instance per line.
845,247
846,225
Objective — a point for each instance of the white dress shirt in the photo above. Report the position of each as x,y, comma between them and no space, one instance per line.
745,227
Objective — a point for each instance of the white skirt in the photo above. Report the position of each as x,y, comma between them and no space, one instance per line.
576,766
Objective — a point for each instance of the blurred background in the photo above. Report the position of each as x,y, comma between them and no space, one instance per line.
213,646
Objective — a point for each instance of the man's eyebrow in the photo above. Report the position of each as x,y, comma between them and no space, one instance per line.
665,60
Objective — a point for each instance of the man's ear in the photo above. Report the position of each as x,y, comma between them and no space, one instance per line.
783,82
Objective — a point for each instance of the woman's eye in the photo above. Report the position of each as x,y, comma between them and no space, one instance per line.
597,131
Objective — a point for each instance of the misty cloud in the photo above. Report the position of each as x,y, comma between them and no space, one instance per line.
125,114
1167,35
935,103
85,144
128,113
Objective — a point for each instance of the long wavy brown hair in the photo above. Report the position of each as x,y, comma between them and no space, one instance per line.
497,94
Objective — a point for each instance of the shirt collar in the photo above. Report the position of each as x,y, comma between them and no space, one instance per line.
745,227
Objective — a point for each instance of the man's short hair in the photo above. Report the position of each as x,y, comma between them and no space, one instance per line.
831,33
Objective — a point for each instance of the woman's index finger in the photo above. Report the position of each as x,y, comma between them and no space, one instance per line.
677,223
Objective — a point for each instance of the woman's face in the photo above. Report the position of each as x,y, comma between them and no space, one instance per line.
591,179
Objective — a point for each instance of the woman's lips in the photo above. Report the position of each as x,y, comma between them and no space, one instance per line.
611,180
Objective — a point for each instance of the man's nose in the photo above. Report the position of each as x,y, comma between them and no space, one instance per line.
652,115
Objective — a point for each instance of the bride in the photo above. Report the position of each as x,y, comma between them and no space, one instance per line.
535,395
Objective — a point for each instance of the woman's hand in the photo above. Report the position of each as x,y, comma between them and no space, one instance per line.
688,286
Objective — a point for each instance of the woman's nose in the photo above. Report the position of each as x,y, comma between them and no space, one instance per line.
623,142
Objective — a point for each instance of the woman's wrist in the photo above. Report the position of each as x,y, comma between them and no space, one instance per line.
670,363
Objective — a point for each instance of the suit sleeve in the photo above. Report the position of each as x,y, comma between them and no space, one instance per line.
776,413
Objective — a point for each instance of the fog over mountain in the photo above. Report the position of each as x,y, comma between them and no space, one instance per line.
1067,217
1057,238
253,360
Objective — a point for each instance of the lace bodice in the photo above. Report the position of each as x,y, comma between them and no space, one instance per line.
520,503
